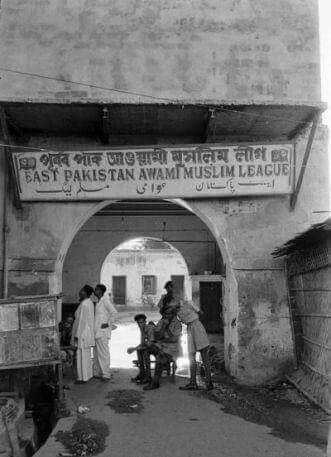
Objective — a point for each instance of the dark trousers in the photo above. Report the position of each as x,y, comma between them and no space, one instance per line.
144,363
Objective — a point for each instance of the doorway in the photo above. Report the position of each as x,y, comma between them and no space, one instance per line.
211,306
119,290
178,285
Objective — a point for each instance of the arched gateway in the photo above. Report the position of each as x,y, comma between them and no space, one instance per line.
208,243
236,204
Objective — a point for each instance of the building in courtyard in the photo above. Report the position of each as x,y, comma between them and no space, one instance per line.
136,271
197,123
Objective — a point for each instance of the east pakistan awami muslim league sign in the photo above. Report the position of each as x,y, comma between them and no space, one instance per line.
155,172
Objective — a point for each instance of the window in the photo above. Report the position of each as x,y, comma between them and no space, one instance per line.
149,285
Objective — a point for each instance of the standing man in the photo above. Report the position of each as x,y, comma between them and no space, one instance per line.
105,313
168,300
197,341
83,334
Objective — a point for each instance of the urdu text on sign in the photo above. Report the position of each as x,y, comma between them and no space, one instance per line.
155,172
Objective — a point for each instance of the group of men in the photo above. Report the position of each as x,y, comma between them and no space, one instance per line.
163,341
92,329
93,325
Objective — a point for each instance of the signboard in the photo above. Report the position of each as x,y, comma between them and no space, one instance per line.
28,332
155,172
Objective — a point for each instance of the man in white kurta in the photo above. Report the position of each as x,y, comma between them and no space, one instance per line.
83,334
105,314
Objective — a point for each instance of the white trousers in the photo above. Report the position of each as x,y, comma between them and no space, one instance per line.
84,364
102,357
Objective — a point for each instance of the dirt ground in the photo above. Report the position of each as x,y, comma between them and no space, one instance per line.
230,421
171,423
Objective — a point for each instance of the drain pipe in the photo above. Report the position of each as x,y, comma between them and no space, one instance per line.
5,232
5,227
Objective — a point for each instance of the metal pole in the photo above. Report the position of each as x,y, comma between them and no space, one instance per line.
5,228
304,161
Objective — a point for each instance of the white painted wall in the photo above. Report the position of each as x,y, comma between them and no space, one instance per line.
135,264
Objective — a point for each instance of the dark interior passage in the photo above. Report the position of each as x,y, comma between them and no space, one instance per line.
125,220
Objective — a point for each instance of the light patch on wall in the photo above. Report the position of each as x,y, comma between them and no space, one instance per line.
139,244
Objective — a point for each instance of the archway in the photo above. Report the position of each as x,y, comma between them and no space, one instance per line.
177,210
135,273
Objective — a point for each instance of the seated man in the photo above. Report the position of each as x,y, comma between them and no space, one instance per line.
65,328
67,350
166,345
143,356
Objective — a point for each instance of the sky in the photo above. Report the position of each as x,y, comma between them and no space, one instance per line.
325,46
325,49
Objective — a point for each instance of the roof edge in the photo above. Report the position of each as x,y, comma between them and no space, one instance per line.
318,105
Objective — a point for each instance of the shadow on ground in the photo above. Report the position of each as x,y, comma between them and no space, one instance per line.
287,412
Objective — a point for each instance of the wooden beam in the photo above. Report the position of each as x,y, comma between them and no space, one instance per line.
7,138
312,132
209,126
105,125
4,126
16,129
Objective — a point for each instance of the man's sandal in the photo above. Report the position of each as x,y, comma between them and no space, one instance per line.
151,386
189,386
136,379
209,387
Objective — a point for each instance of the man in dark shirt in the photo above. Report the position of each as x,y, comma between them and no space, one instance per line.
143,356
166,346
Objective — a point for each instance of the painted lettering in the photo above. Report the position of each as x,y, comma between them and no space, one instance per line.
77,176
129,174
170,173
259,170
142,174
188,173
185,171
242,174
230,171
45,176
36,177
285,169
268,169
112,172
102,175
28,177
55,173
86,175
67,175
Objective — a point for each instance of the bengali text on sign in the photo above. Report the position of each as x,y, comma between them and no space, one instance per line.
155,172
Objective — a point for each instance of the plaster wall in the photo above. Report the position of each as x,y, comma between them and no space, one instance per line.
135,264
210,51
2,196
253,50
246,230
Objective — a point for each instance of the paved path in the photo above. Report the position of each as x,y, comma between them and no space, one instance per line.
177,424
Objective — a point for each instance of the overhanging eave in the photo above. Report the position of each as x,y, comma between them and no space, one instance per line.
240,122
